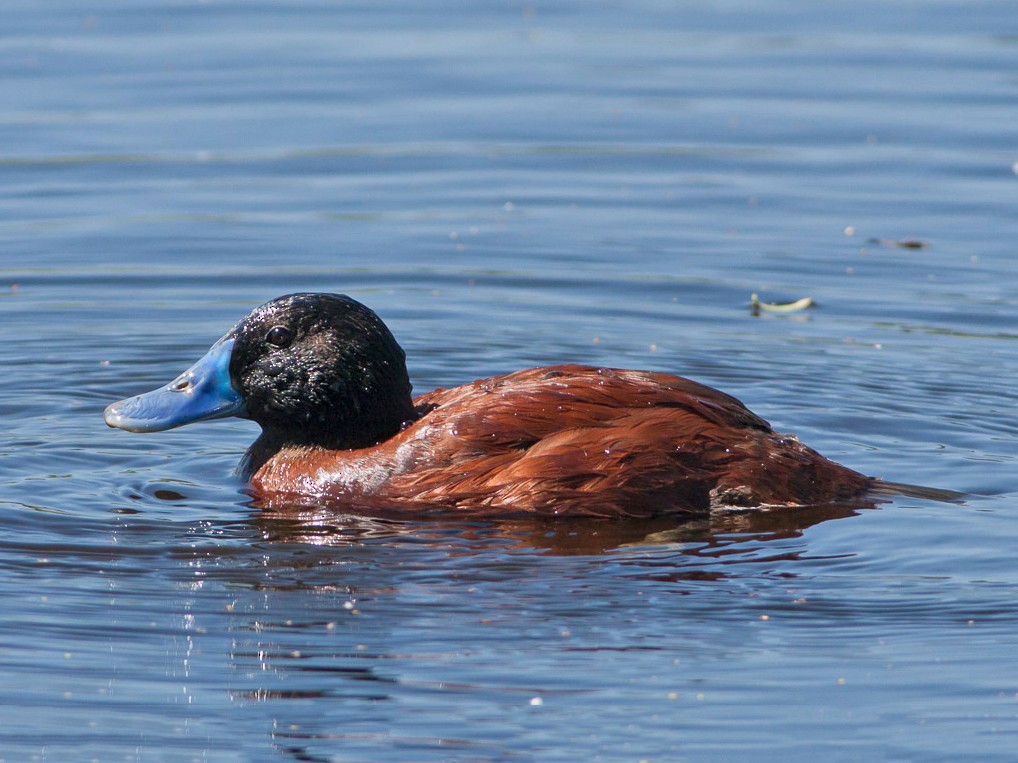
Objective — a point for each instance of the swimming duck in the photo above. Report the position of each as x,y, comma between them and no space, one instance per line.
327,382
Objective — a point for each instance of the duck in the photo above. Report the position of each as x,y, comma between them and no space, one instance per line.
327,382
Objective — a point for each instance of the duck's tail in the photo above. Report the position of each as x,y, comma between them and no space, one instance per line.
882,487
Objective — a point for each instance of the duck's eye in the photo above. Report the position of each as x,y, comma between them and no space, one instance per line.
280,336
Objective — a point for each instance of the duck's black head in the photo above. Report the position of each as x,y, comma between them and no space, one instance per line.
311,369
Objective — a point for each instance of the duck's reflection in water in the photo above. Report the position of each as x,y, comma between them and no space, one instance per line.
351,617
323,526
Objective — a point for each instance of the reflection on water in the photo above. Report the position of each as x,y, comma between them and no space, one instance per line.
324,527
315,632
323,619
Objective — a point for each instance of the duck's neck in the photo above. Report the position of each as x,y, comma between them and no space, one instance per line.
344,434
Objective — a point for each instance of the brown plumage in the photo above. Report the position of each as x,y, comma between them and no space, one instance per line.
570,440
328,384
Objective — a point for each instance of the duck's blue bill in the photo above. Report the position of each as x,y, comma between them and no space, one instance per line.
202,392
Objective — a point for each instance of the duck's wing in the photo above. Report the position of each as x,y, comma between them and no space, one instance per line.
575,440
583,395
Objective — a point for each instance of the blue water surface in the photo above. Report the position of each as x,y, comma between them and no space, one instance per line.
509,185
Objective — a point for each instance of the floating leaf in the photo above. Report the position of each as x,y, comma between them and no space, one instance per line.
908,243
780,307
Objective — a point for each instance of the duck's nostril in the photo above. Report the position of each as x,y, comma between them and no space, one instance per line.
181,384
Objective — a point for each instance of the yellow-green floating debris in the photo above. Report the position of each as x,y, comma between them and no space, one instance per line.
780,307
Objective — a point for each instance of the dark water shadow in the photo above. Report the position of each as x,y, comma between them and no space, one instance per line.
566,536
